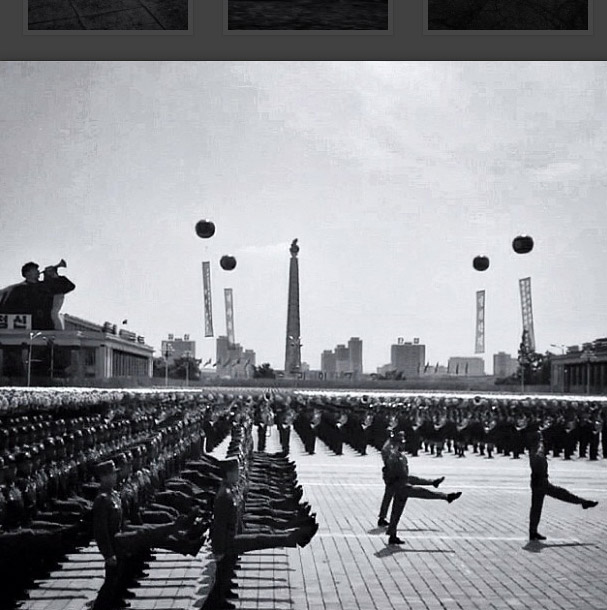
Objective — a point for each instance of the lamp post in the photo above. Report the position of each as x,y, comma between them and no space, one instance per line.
29,357
168,350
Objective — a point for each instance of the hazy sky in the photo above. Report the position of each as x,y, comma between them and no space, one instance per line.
392,175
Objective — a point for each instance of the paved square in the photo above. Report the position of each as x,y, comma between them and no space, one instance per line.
469,555
107,14
472,554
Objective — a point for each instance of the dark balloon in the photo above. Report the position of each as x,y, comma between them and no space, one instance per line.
480,263
522,244
227,262
205,229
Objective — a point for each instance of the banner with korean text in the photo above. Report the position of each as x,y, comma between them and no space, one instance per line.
208,305
527,311
479,344
229,317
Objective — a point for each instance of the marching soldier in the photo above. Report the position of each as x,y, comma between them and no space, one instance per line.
541,487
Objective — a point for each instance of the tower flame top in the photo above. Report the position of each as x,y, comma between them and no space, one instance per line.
294,248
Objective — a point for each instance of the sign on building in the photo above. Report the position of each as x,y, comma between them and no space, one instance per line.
15,321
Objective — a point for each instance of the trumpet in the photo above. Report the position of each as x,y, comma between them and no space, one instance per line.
53,268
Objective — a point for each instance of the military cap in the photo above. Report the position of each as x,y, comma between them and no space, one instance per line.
229,465
105,468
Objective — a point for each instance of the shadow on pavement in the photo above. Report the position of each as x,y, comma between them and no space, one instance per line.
534,546
388,551
376,531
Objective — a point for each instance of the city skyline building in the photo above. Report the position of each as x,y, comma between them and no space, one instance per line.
408,357
233,360
343,359
504,365
177,347
463,365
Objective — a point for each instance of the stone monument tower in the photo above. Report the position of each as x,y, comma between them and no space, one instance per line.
293,347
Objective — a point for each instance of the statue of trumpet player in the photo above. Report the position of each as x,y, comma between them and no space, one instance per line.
41,299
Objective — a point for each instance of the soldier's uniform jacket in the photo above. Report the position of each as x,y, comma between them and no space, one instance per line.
107,521
15,509
397,465
225,520
3,506
539,468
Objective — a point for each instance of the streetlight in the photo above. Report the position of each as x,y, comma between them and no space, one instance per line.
29,357
168,350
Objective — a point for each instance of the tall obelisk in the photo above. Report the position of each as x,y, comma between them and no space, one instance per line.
293,348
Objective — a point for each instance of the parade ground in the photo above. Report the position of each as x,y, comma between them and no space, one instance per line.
471,554
107,14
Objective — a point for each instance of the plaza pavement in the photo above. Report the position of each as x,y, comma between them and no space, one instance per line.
107,14
471,554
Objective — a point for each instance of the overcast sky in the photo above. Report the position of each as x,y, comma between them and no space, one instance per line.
392,175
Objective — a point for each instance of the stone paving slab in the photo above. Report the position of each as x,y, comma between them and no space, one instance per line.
107,14
472,554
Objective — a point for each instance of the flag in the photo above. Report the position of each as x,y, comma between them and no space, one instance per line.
215,363
208,306
466,368
125,321
436,368
457,369
426,367
208,362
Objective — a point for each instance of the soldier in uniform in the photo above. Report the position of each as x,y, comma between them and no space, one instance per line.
407,486
393,445
107,522
541,487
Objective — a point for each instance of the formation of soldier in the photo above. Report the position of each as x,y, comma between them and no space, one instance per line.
133,467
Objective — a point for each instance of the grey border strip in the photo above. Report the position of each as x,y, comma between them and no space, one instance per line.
588,32
188,32
388,32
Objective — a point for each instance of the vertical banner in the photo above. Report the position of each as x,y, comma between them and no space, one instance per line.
527,310
229,316
479,347
208,306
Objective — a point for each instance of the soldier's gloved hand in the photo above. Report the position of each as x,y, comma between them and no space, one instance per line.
111,561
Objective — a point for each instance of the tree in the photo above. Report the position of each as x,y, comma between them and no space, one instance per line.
534,367
264,371
183,364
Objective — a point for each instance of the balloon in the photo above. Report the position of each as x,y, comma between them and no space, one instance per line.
205,229
227,262
522,244
480,263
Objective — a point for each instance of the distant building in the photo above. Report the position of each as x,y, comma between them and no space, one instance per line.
81,350
328,364
408,358
355,348
504,365
343,361
233,361
178,348
465,366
